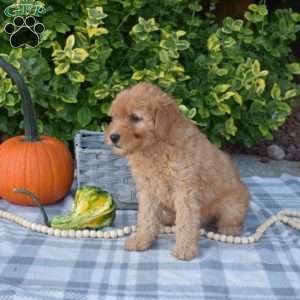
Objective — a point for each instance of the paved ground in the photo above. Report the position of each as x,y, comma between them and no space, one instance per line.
251,166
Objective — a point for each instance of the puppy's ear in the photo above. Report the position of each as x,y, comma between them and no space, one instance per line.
109,111
167,118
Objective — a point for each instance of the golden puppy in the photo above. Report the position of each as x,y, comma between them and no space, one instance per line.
181,177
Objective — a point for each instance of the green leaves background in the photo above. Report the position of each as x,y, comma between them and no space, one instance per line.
234,80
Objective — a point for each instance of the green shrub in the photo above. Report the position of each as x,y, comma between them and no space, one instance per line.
244,88
235,80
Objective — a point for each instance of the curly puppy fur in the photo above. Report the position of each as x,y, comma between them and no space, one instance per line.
181,177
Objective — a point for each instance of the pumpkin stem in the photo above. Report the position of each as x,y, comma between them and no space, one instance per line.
36,201
30,127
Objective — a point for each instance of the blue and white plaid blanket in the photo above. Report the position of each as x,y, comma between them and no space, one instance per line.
35,266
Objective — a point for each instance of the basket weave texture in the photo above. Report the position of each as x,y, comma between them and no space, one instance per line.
96,165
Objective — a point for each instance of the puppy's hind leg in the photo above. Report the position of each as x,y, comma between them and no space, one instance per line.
187,223
231,212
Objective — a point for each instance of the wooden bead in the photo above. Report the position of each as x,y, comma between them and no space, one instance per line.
280,218
106,235
262,228
5,215
86,233
244,240
222,237
71,233
285,219
230,239
284,212
100,234
33,226
237,240
113,234
216,236
17,220
269,222
39,228
28,225
93,233
78,234
57,232
50,231
210,235
120,232
44,229
251,239
161,229
127,229
23,223
168,230
64,233
258,235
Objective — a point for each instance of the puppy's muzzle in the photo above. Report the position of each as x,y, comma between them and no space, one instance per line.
114,137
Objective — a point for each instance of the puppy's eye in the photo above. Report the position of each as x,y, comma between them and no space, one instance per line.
135,118
110,119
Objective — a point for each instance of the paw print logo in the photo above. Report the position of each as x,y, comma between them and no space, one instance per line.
24,31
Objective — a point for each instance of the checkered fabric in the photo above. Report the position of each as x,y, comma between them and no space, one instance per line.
35,266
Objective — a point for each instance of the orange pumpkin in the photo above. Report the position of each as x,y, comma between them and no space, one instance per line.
42,165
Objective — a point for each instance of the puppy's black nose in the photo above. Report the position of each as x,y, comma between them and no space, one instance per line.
114,137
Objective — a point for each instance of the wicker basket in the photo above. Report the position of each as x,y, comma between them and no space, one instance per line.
96,165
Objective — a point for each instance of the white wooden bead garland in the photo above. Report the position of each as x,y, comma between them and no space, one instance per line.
290,218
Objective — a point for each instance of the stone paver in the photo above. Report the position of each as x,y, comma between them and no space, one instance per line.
249,165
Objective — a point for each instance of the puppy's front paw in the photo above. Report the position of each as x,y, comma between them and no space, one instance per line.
185,252
138,243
